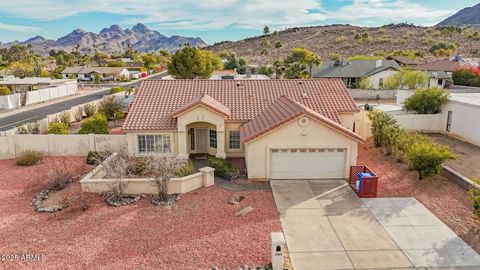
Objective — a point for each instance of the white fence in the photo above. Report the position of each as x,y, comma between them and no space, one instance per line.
60,145
38,96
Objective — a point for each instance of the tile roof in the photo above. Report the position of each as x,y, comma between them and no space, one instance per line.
205,100
157,100
353,68
282,111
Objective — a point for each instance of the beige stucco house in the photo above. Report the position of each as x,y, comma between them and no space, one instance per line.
284,129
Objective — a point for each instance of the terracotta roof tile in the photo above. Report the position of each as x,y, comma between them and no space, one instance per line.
282,111
205,100
157,100
438,65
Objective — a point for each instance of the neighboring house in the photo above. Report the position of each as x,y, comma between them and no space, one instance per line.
284,129
351,72
231,74
33,83
445,65
86,73
439,79
404,61
458,118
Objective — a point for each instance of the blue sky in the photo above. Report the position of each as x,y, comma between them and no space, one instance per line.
212,20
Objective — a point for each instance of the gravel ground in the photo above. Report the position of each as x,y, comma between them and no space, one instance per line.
447,200
198,232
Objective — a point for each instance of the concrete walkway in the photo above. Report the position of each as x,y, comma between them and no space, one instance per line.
327,226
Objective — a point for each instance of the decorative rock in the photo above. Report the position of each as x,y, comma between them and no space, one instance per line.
236,199
244,211
172,199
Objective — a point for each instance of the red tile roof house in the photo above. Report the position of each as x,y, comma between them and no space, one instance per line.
285,129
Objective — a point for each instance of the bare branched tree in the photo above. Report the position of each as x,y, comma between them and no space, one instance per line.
116,168
162,169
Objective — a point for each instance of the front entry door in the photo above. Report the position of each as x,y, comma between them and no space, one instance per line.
201,140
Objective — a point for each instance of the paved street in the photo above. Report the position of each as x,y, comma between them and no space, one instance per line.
33,115
327,226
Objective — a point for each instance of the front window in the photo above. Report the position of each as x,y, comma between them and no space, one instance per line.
234,140
152,144
380,83
213,138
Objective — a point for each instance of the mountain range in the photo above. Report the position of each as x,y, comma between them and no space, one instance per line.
465,17
111,40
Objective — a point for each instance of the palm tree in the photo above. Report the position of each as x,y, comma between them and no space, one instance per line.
311,60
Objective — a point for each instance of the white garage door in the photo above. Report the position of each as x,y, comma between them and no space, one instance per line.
323,163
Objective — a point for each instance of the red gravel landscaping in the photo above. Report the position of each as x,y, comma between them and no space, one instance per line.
447,200
198,232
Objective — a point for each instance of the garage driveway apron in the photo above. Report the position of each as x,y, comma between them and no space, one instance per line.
327,226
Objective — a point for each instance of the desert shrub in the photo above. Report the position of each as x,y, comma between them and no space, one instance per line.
467,77
93,158
474,195
29,158
65,118
97,124
380,120
347,45
266,70
138,165
428,158
186,169
5,91
364,57
116,89
365,83
89,109
442,49
110,106
341,39
426,101
223,168
57,128
335,56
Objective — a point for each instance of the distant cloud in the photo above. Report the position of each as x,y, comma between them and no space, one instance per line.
17,28
218,14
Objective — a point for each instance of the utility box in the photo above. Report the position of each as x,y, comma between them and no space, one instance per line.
278,250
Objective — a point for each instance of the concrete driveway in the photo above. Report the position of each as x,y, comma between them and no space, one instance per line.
327,226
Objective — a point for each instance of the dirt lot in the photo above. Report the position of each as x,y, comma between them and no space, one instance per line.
447,200
468,155
200,231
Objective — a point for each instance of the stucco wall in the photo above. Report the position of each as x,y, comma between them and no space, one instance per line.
375,78
347,120
465,121
316,135
429,123
60,145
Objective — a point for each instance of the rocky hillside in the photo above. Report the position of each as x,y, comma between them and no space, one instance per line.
348,40
112,39
466,16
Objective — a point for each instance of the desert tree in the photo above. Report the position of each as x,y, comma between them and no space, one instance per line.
116,167
162,169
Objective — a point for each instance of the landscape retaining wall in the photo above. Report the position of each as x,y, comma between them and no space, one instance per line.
374,94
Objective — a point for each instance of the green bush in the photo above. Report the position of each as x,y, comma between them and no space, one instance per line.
467,77
58,128
116,89
426,101
223,168
5,91
380,120
138,165
186,169
97,124
474,195
89,109
428,158
93,158
29,158
110,106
